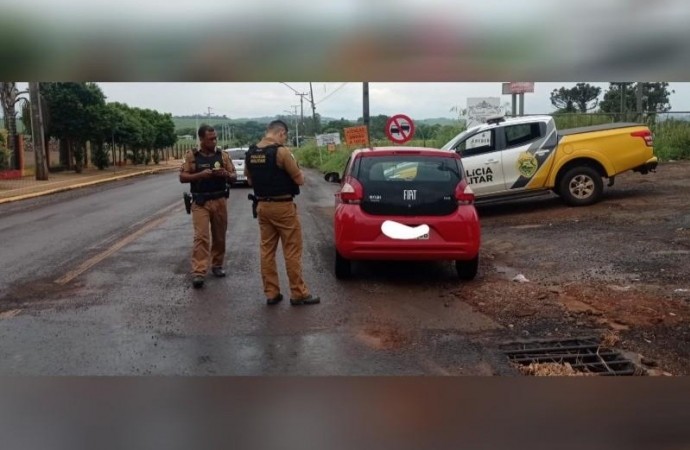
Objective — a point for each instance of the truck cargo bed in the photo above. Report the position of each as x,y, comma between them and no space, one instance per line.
602,127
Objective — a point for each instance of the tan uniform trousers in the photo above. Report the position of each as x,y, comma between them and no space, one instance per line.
279,221
213,214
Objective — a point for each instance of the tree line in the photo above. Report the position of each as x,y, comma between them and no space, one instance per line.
618,98
76,113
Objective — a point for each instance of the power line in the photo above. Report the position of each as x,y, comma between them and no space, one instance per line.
332,93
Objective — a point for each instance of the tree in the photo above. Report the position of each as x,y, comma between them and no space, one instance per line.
76,111
9,98
655,98
583,97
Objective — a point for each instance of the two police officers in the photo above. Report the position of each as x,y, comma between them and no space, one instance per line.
273,172
209,170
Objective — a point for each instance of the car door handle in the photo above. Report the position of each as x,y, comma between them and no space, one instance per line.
541,152
492,161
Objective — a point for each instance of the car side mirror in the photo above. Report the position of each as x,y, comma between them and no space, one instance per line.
332,177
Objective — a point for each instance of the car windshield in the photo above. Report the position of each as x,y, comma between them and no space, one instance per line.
409,184
237,154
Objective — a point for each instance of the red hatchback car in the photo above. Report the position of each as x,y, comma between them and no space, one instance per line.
405,203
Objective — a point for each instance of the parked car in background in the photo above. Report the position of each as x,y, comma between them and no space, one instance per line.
523,156
237,156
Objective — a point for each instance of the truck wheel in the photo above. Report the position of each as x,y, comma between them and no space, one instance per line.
581,186
343,267
467,270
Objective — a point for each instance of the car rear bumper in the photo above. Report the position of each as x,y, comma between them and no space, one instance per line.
359,236
400,252
649,166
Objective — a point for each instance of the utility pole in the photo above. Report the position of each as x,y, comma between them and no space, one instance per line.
37,131
196,132
640,87
623,101
365,108
209,113
313,110
296,126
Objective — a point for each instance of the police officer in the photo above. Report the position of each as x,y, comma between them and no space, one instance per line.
274,174
209,170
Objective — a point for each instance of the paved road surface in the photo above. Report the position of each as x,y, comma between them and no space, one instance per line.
95,282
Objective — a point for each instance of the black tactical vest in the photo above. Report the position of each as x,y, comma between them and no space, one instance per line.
268,180
203,162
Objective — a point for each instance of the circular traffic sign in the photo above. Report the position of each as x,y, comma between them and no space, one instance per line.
400,128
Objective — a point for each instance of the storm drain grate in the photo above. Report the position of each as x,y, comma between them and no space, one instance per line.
583,355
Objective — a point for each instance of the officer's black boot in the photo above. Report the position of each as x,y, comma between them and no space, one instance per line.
308,300
218,271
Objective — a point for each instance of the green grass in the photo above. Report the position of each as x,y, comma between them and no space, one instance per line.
672,139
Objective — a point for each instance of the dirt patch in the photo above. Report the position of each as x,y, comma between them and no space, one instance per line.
45,294
551,370
10,314
381,337
620,266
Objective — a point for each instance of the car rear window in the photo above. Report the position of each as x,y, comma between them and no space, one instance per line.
237,154
409,184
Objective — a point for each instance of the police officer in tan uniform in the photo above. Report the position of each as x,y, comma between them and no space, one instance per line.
208,169
273,172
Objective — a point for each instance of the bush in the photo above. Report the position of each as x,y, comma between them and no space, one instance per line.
5,158
672,139
100,156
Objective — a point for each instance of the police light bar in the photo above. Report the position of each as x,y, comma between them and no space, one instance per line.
495,119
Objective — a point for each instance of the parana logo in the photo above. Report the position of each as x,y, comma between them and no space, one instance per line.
527,164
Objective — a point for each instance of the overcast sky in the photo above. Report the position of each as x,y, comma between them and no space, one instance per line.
419,100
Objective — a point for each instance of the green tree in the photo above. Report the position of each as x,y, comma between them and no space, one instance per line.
76,111
655,98
583,97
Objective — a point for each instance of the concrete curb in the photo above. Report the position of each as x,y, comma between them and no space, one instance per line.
83,185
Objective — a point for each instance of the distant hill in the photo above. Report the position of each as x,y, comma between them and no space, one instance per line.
182,122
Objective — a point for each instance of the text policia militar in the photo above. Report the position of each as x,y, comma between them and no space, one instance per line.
480,175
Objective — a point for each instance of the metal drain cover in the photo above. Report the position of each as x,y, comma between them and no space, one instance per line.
583,355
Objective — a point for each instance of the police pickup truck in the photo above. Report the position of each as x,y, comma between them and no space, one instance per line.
516,157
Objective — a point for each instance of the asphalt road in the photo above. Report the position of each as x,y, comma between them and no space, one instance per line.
95,282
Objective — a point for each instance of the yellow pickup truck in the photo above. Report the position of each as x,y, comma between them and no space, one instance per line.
523,156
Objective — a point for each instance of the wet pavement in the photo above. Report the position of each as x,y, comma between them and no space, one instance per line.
133,310
123,303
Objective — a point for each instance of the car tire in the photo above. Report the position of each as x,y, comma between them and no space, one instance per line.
581,186
467,270
343,267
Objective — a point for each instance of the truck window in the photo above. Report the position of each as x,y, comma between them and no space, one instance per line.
521,134
480,143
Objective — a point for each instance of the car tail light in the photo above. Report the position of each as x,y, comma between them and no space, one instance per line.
464,194
646,135
352,191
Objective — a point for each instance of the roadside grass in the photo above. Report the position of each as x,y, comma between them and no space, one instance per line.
671,141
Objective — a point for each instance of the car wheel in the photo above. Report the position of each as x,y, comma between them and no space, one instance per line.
343,267
581,186
467,270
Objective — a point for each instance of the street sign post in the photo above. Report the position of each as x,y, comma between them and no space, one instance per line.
400,129
515,88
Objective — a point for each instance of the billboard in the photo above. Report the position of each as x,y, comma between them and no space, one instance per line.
479,109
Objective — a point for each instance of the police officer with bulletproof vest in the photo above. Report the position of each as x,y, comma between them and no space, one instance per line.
208,169
273,172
